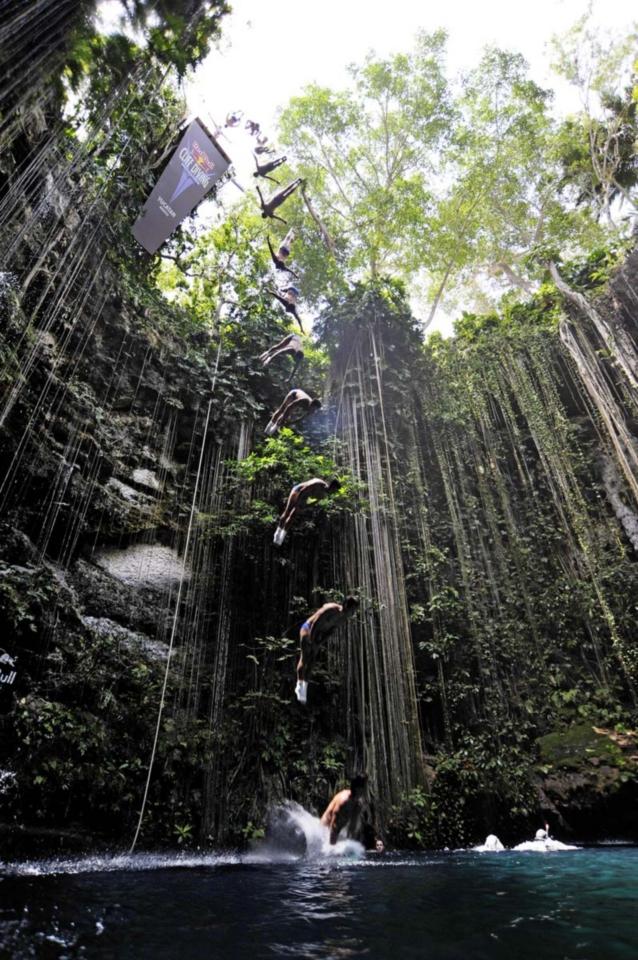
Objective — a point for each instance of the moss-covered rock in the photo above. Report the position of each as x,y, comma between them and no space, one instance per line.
588,778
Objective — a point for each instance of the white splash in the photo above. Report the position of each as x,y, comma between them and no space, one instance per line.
543,846
297,834
492,845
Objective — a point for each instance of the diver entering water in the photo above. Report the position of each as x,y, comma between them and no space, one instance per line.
269,206
289,345
288,301
264,169
318,627
297,405
344,812
315,489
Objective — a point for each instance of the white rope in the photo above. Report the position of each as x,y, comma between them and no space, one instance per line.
177,604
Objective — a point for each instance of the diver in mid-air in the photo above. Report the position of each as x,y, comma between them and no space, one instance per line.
288,301
290,344
269,206
263,169
279,258
315,489
316,628
297,405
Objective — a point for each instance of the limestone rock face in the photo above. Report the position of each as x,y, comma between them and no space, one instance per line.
143,566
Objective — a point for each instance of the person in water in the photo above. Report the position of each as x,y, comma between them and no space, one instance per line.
301,493
288,299
265,169
269,206
297,405
289,345
344,810
279,258
317,628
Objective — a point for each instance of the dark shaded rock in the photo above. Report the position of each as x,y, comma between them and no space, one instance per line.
136,643
588,779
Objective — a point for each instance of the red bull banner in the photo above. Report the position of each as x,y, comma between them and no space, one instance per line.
196,165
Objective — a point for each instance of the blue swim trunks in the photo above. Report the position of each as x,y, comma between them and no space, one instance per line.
306,626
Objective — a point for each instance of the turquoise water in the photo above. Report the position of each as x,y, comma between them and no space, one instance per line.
448,906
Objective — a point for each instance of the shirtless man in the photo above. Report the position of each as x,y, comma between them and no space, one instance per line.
319,627
289,345
315,489
265,169
344,810
279,258
269,206
288,299
295,407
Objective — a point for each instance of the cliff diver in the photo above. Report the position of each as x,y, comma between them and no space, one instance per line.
265,169
288,299
316,628
252,127
295,407
298,498
233,119
279,258
344,812
290,344
269,206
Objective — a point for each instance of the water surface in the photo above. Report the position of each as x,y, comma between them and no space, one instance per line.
448,906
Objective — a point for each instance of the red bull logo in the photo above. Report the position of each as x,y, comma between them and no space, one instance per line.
197,168
201,158
7,662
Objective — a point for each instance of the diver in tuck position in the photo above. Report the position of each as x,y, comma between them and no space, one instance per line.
295,407
319,627
315,489
279,258
269,206
288,301
289,345
345,810
264,169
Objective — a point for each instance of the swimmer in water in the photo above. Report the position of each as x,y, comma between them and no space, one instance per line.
344,810
317,628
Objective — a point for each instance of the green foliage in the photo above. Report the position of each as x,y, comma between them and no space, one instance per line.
279,463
